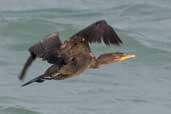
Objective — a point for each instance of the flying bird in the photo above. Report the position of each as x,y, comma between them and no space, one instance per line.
74,55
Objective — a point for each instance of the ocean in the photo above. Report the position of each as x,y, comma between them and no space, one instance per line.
135,86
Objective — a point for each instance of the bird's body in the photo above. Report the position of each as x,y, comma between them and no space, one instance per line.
74,55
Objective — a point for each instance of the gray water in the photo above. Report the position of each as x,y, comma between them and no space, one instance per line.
136,86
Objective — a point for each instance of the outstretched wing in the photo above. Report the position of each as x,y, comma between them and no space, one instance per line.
45,49
98,32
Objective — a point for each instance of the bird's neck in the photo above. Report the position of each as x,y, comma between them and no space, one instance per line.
103,59
97,63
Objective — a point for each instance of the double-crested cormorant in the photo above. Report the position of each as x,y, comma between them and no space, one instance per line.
74,55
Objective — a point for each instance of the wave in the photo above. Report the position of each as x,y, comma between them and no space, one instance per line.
17,110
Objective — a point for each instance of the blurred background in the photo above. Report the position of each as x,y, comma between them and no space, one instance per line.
136,86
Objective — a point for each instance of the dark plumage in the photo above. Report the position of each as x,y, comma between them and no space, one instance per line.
74,55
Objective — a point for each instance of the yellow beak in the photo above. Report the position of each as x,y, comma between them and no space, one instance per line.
127,56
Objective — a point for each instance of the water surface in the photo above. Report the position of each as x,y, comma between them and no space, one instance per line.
136,86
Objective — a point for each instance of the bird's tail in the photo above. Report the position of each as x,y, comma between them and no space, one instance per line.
38,79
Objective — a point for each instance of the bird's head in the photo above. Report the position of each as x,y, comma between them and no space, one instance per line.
120,56
108,58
